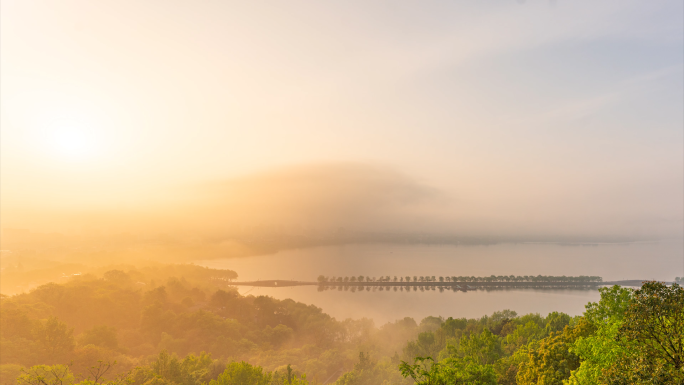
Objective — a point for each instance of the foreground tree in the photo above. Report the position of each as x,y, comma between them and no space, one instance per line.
484,348
452,371
550,361
47,375
599,352
653,329
242,373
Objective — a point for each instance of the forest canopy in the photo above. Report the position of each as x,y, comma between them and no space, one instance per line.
174,324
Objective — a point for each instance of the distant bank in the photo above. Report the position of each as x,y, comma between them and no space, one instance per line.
449,285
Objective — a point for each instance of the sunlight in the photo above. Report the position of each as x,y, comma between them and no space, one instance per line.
69,131
73,144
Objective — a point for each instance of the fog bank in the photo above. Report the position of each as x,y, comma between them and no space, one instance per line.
356,198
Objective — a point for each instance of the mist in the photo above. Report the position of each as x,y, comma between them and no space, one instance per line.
359,201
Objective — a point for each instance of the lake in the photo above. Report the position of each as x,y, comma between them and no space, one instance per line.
648,261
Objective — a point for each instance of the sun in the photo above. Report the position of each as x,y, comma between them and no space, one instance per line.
72,144
70,135
68,125
72,140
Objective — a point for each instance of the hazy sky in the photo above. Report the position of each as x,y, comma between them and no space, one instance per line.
555,117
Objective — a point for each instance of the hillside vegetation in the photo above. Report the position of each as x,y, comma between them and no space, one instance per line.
174,324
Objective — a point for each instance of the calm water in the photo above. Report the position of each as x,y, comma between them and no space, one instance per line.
660,261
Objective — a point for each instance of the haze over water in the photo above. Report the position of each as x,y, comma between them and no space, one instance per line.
649,261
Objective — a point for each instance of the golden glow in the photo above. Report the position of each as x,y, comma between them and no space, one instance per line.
71,140
65,125
490,106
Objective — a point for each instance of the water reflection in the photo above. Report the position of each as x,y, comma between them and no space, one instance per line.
661,261
388,305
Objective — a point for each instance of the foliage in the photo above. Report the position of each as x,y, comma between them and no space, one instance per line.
508,366
655,318
522,336
599,351
425,371
47,375
550,360
242,373
129,316
612,306
653,326
484,348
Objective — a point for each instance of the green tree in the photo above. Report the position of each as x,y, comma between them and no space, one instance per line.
452,371
46,375
599,352
199,369
242,373
483,348
550,360
653,325
655,318
288,377
556,322
192,370
499,316
612,306
507,367
522,336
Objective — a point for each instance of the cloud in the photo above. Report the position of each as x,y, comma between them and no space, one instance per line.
316,196
320,195
360,197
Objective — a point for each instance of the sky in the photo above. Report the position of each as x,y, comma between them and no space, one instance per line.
501,118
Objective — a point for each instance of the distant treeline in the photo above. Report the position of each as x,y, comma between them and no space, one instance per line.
448,288
491,278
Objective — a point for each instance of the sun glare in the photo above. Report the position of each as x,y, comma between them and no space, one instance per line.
69,133
73,144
